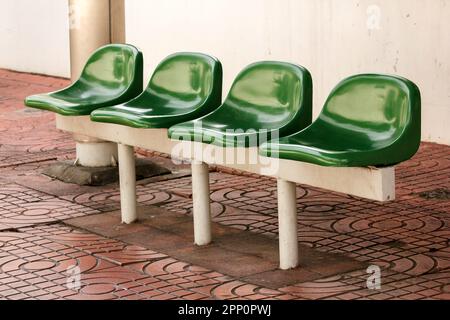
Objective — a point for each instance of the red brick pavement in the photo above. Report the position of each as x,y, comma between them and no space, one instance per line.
408,238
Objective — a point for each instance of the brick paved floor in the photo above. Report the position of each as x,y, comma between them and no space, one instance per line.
48,227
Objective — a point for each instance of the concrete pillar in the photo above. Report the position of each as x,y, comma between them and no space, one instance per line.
117,21
90,28
93,152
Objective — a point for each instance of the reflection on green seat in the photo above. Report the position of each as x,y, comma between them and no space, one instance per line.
270,96
368,120
112,75
183,87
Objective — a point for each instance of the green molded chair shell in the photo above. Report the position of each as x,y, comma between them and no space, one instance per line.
367,120
112,75
272,96
184,86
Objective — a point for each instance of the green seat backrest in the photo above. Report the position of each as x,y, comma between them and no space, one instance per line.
112,68
269,95
373,112
187,81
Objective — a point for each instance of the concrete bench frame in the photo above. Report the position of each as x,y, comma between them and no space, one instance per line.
366,182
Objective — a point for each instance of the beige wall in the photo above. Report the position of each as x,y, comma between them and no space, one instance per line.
332,38
34,36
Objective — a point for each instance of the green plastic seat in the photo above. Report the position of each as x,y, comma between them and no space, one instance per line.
184,86
367,120
112,75
269,95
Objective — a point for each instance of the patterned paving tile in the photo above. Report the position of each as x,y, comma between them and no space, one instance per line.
20,206
408,238
36,262
109,200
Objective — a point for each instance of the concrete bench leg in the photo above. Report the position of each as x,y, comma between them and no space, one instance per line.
92,152
287,224
200,198
127,178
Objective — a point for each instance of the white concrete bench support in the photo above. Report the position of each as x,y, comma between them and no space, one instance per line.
92,152
201,205
127,178
370,183
287,224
